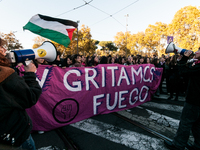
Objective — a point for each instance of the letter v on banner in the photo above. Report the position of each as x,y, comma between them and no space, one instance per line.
44,77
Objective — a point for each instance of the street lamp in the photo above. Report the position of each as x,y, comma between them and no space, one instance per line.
77,36
126,31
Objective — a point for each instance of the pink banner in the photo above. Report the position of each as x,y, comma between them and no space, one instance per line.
73,94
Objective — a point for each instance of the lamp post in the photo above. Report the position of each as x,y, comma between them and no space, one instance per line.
77,36
126,31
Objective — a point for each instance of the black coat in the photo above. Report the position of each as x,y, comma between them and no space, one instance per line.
16,94
193,73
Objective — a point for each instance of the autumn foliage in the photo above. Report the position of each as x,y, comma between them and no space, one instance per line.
185,29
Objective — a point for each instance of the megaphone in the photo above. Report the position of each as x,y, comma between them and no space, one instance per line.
172,48
46,51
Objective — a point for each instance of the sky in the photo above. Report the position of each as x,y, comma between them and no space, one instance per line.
104,17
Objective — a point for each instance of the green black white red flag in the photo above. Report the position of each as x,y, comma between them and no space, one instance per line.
55,29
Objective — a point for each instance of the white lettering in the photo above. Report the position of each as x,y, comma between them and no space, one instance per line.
145,71
87,78
135,98
95,103
123,71
153,68
44,76
108,101
122,98
113,74
146,94
139,71
77,84
103,77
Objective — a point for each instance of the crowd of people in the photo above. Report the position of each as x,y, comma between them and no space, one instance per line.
18,93
176,84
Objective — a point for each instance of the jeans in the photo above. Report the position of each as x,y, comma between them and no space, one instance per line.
29,144
190,120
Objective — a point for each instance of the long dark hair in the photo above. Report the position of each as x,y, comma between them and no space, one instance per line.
64,63
92,62
103,60
74,58
174,61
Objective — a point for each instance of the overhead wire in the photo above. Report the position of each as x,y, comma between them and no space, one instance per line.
119,22
125,7
86,3
106,17
99,9
111,15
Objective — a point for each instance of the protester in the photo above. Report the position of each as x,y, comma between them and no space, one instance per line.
141,60
83,61
147,60
135,60
173,78
16,94
112,60
88,59
116,60
41,61
103,60
58,61
167,73
76,61
162,64
156,63
190,117
2,47
109,58
129,61
67,61
94,61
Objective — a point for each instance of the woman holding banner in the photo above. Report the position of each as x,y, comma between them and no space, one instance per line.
16,94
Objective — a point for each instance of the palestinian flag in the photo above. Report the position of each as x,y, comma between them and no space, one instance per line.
55,29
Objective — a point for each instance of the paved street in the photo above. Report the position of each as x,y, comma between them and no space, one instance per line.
110,132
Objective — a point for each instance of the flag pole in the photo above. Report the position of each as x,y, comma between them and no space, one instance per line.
77,36
126,32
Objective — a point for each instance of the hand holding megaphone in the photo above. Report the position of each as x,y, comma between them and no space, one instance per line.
46,51
172,48
30,67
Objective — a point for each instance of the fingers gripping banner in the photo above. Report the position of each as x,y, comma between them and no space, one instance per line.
73,94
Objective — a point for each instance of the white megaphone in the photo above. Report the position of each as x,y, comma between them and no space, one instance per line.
172,48
46,51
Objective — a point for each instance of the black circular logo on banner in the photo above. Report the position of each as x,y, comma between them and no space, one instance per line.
65,110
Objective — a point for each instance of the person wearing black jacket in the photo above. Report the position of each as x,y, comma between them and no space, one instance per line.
173,78
162,64
16,94
190,117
